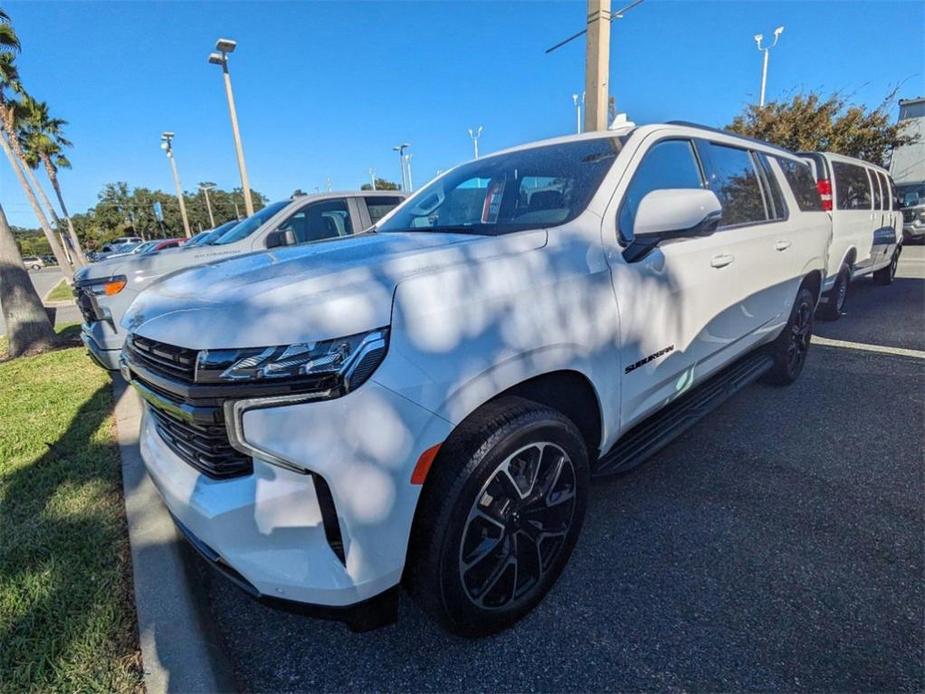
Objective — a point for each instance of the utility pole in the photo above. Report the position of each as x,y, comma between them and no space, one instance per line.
206,187
167,146
597,65
224,47
764,70
475,135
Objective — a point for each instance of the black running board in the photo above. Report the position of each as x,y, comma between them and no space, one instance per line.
660,429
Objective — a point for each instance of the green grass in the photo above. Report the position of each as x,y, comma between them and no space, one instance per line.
61,292
67,620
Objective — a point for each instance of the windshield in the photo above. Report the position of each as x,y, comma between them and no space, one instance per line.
911,195
210,237
537,187
244,229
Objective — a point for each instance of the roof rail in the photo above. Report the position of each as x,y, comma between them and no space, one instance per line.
711,129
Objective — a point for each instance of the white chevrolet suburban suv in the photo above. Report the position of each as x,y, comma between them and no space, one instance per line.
424,404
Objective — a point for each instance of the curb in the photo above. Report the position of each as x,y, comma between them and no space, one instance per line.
180,648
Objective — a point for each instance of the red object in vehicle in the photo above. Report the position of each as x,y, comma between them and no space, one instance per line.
167,243
824,186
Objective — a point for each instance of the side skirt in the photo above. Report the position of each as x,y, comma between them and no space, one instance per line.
651,435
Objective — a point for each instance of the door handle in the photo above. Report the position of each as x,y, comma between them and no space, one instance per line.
721,260
783,245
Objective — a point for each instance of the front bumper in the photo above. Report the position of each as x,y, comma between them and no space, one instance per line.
107,357
914,230
268,528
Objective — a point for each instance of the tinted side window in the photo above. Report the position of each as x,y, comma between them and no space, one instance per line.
852,189
778,208
379,207
884,188
800,179
875,186
321,220
734,179
668,164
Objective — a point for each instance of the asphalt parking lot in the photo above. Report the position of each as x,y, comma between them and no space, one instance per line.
776,546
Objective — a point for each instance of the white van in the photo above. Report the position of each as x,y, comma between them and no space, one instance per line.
866,225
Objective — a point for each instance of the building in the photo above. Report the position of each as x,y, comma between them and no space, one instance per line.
907,164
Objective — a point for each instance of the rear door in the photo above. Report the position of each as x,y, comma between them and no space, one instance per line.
755,226
854,211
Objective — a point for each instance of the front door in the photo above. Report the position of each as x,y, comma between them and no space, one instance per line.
679,304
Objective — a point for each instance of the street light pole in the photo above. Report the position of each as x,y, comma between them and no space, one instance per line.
410,182
401,162
764,69
224,47
372,177
475,135
167,146
206,187
578,101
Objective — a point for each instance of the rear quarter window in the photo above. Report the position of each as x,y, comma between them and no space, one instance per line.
800,179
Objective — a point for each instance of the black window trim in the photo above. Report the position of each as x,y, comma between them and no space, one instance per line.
705,156
701,169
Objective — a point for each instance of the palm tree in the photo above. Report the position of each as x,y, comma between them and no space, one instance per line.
43,142
27,326
9,78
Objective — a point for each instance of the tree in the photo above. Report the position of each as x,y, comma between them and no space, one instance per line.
381,184
27,326
9,78
43,142
813,123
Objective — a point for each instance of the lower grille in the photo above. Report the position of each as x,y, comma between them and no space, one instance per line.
203,446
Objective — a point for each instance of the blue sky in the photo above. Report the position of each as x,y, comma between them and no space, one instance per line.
325,89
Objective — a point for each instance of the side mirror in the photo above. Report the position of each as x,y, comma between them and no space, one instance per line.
280,237
672,213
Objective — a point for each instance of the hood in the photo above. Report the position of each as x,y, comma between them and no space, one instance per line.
319,291
140,268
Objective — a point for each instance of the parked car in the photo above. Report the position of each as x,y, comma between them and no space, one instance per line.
114,248
164,244
425,404
912,203
866,225
33,262
105,289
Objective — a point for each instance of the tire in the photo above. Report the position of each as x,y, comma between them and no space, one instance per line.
837,296
479,560
36,268
885,275
791,346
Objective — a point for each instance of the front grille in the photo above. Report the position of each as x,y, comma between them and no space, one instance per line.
204,446
164,359
86,305
908,215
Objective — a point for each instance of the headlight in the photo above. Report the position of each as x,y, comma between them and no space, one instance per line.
330,364
107,286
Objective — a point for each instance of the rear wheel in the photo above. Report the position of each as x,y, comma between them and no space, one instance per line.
886,275
837,296
791,346
499,516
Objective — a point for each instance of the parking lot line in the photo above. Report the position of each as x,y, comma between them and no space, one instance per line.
897,351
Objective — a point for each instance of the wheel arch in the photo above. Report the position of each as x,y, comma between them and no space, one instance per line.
813,282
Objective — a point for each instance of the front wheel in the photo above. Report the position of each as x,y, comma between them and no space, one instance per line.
790,348
499,516
886,275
